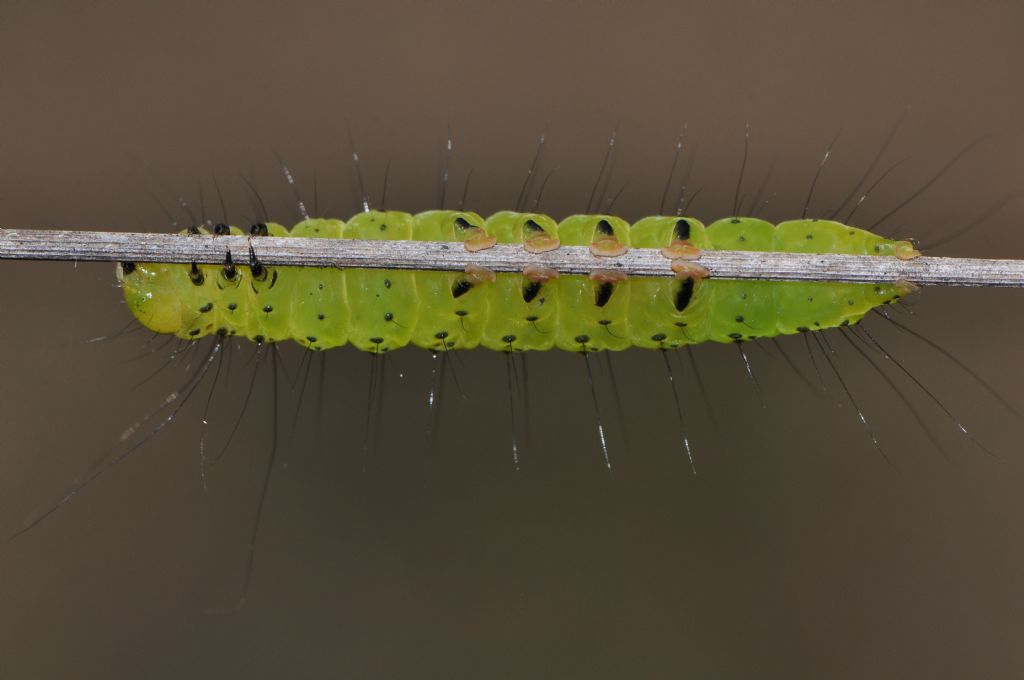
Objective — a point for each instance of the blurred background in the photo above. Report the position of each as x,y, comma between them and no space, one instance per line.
796,551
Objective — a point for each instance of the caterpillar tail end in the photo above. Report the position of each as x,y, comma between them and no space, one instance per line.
905,288
905,250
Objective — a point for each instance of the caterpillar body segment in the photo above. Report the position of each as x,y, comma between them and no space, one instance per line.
320,295
520,315
381,310
593,313
452,305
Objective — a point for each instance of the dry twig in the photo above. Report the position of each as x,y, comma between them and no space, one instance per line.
84,246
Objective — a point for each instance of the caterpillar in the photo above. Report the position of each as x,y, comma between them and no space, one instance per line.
382,310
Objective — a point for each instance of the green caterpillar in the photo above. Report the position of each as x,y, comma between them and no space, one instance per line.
382,310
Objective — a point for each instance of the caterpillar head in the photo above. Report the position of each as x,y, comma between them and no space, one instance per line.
151,295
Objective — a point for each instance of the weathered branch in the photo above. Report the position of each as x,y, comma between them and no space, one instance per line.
33,244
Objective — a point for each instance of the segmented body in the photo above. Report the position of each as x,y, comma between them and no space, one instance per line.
382,310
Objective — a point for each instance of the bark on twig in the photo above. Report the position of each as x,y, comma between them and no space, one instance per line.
84,246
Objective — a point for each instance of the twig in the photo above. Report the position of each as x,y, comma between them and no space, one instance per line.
32,244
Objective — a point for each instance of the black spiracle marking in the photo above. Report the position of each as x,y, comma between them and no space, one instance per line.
196,275
531,289
681,230
603,294
684,294
461,287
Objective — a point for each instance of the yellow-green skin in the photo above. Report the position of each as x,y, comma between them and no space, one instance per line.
382,310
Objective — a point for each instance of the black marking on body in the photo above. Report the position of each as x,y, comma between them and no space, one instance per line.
681,231
259,272
195,275
530,290
603,294
684,294
228,272
461,287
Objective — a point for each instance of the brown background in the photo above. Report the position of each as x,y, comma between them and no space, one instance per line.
796,552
